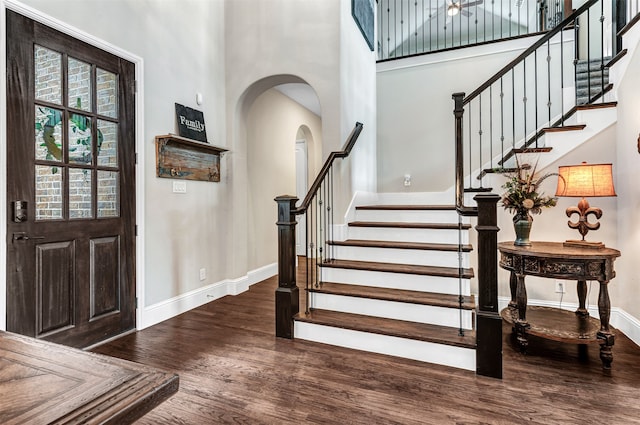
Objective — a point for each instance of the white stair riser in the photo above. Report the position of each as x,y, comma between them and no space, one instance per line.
408,235
399,256
463,358
411,282
409,216
434,315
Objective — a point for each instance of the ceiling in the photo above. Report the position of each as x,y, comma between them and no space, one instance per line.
302,94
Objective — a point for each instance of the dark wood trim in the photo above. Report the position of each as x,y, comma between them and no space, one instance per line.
287,294
400,268
407,207
399,328
403,225
397,295
489,322
629,25
563,128
597,106
427,246
458,113
484,43
616,58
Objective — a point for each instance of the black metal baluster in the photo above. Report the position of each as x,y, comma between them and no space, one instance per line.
332,257
470,147
480,147
562,78
602,18
490,126
524,96
307,258
549,82
588,56
501,121
535,97
513,107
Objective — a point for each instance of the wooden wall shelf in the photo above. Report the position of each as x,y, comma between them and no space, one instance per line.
181,158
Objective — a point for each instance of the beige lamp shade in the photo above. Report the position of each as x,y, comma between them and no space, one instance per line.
585,180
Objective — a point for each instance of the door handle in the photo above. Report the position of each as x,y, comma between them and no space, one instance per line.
22,236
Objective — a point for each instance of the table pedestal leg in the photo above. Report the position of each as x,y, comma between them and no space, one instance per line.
605,335
582,296
521,325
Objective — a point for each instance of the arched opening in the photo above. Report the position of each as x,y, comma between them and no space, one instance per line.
270,122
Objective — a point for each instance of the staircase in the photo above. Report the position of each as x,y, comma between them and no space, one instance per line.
398,285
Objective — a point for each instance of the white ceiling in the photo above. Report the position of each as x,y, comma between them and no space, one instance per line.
302,94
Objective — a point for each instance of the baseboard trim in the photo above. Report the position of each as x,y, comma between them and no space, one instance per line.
172,307
620,319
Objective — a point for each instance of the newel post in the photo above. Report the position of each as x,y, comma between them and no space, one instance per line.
458,112
287,294
489,322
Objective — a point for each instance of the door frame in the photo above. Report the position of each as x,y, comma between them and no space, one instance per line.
139,145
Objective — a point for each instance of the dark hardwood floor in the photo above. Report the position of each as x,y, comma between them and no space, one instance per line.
234,370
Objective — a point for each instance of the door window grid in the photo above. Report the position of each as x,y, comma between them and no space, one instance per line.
91,139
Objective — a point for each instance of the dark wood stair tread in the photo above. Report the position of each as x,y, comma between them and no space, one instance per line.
568,127
407,207
398,268
616,58
597,106
398,295
404,225
402,245
397,328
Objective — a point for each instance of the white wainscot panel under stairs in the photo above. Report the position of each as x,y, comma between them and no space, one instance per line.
443,316
410,282
400,256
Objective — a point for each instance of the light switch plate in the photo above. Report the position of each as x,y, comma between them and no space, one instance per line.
179,187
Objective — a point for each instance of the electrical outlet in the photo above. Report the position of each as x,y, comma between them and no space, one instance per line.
407,179
179,187
560,288
203,274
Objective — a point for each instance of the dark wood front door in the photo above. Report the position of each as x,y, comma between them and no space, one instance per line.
70,187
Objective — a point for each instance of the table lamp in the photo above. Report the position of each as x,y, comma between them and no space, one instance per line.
585,180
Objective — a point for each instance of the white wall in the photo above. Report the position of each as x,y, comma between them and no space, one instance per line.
627,285
281,41
272,125
415,112
231,52
181,43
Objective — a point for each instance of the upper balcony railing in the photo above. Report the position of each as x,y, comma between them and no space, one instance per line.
413,27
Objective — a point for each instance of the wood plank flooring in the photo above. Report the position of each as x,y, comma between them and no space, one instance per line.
234,370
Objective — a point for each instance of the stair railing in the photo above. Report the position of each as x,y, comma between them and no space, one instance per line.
317,211
534,93
508,114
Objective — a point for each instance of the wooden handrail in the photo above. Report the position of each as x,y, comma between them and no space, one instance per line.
346,150
560,27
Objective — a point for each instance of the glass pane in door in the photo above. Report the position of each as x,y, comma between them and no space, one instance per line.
80,140
80,199
48,133
48,192
108,194
79,84
107,93
48,75
107,143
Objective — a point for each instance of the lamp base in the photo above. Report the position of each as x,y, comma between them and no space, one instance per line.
583,244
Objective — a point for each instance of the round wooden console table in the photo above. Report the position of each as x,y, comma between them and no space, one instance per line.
555,261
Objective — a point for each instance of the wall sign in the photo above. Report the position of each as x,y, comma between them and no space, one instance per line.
190,123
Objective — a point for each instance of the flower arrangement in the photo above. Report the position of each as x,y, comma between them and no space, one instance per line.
522,194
